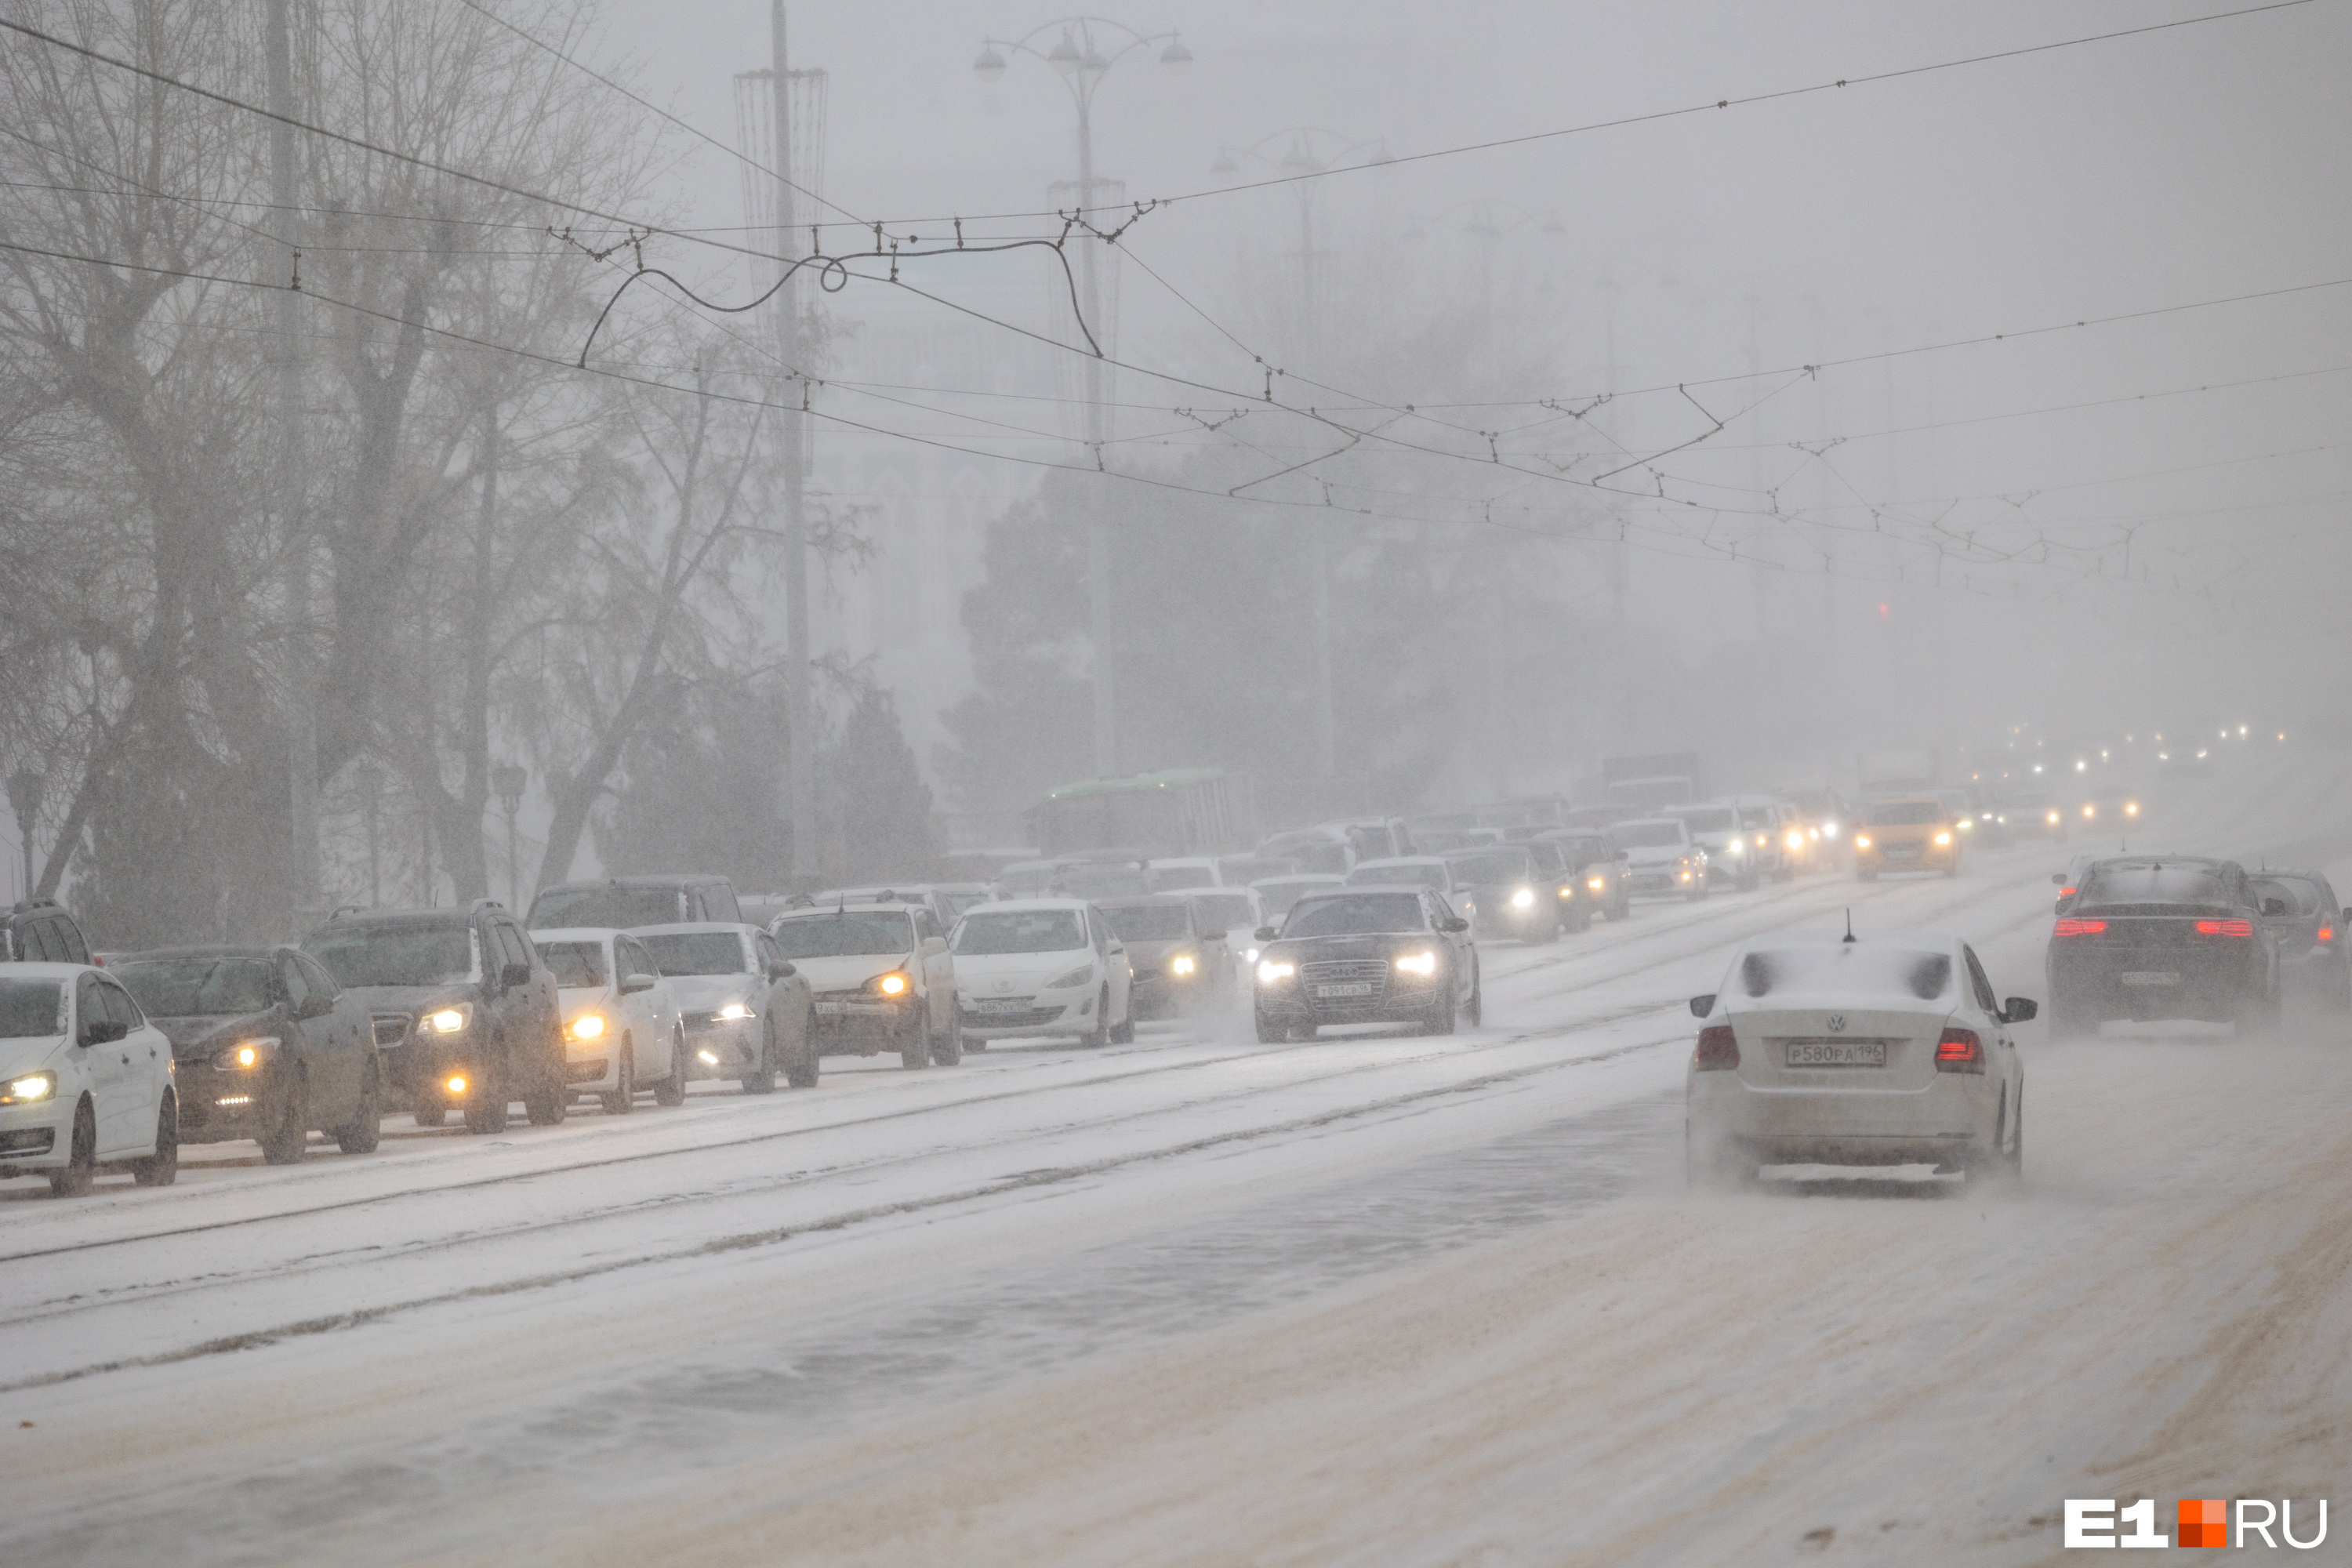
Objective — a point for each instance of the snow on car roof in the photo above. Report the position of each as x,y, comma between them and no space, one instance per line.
1897,970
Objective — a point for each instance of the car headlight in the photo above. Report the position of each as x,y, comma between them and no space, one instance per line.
1795,839
1249,955
26,1091
456,1086
1568,890
1760,841
894,984
733,1012
246,1055
1862,841
1734,847
2090,811
1271,971
587,1026
1943,838
2053,820
1596,883
1423,963
1079,976
1183,964
2131,808
1964,824
1523,898
445,1020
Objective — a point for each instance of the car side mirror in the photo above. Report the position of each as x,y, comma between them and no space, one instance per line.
633,984
1216,935
935,944
781,968
2348,914
2019,1010
103,1031
2273,906
1268,933
1455,923
514,975
2058,878
1701,1006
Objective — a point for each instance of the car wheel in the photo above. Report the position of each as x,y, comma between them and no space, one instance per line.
1123,1032
947,1051
360,1134
915,1045
1476,1011
286,1142
624,1098
671,1091
802,1074
1100,1036
485,1106
762,1079
162,1168
1270,1031
548,1105
429,1114
81,1156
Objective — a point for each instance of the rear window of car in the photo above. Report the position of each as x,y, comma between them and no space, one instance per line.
2301,898
2155,884
1858,969
1904,814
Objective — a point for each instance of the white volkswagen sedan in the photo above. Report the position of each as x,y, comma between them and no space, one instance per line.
85,1081
1890,1051
1042,966
622,1027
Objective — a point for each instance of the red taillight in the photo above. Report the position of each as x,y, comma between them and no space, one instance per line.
1719,1050
2081,928
1959,1051
2225,928
2327,934
2066,892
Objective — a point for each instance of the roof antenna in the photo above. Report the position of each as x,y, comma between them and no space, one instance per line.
1849,922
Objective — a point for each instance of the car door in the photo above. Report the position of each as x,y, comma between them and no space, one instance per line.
654,1010
939,970
515,1007
2004,1047
1113,953
149,1050
337,1035
117,1088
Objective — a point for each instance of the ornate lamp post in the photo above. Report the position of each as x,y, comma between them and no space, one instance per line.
507,781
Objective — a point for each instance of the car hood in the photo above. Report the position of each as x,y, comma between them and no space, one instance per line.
1142,955
698,992
197,1035
30,1055
1664,856
1320,949
1014,974
849,970
574,1000
411,998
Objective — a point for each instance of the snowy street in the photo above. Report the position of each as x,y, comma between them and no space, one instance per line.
1378,1300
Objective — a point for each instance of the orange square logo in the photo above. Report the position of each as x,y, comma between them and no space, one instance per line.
2204,1521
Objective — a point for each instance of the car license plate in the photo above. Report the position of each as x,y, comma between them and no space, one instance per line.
1347,988
2150,977
835,1009
1001,1004
1837,1053
1902,851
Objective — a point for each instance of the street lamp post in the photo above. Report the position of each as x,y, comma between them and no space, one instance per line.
369,776
507,781
1080,62
26,787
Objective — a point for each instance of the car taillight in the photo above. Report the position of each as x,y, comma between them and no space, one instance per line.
2225,928
2080,928
1959,1051
1719,1050
2066,892
2327,934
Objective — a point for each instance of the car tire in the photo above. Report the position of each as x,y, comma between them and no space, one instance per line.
1100,1036
624,1098
802,1074
162,1168
1270,1031
1123,1032
1475,1013
548,1105
429,1114
364,1131
947,1051
762,1079
671,1091
915,1048
485,1106
286,1143
81,1156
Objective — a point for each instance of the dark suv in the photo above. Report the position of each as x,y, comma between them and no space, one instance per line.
624,904
38,931
463,1008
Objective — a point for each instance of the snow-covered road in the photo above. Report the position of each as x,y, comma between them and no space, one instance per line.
1382,1299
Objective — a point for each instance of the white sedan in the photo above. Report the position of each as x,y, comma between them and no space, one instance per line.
85,1080
622,1027
1042,966
1885,1052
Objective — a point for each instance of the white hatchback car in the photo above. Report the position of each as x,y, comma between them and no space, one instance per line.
622,1027
85,1081
1826,1051
748,1011
1042,966
882,977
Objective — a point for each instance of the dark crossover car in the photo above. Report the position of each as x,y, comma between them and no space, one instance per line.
266,1043
1178,962
1367,955
1604,880
463,1010
1516,891
2315,956
38,931
626,903
2167,936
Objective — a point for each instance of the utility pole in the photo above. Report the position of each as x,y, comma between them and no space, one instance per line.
301,720
799,716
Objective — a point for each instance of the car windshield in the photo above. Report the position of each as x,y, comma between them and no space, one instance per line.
1020,931
1495,866
1229,910
1650,835
1355,914
1166,878
1148,922
31,1008
608,905
697,951
2301,898
852,934
576,965
1709,819
2155,883
959,901
1904,814
1376,875
441,954
1858,969
198,986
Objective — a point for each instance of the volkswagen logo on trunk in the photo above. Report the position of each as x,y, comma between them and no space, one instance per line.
1837,1023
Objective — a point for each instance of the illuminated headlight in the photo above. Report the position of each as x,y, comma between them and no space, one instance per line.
26,1091
1423,963
1830,830
1568,890
1943,839
1075,977
456,1086
587,1026
1183,964
734,1012
1734,847
1862,841
1249,955
246,1055
1523,898
1795,840
1760,841
892,985
1685,876
708,1058
2090,811
1273,970
2131,808
2053,820
445,1020
1964,824
1596,884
